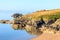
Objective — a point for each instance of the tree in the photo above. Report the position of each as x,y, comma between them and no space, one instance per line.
16,15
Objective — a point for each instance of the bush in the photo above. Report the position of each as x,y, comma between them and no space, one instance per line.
16,15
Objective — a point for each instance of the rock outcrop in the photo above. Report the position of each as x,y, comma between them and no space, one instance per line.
5,21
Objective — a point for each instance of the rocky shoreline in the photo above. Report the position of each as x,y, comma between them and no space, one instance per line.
19,22
40,22
4,21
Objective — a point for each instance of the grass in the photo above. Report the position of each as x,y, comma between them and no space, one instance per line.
47,17
51,14
55,15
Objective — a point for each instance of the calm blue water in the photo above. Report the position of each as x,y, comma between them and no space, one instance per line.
7,33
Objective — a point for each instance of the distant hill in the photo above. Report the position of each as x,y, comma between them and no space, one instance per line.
46,14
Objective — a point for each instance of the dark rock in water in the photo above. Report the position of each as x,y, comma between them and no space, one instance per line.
4,21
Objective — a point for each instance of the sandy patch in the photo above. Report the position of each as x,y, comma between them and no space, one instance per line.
48,36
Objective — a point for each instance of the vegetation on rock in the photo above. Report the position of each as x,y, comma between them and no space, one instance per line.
39,21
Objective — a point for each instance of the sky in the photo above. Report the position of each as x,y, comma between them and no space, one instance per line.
27,6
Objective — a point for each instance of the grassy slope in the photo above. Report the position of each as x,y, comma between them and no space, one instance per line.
46,14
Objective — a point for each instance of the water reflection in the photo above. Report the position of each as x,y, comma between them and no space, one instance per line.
17,27
7,33
29,29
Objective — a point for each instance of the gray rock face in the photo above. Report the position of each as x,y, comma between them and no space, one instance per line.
31,24
40,23
51,21
56,25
